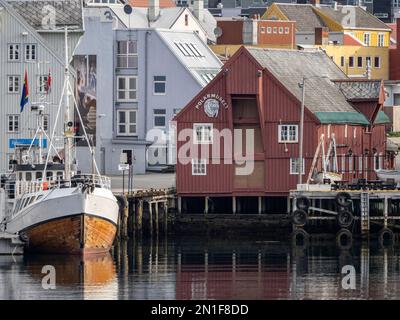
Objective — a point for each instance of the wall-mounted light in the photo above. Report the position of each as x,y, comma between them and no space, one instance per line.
259,73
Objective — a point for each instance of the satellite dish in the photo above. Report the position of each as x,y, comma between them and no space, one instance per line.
218,32
128,9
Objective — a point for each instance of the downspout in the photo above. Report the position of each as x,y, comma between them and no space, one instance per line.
148,32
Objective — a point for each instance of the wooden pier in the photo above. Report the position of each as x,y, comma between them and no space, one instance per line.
369,210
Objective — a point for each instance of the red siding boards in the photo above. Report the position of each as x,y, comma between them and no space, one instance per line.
242,76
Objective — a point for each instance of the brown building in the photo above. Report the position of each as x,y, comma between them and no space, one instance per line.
395,52
237,31
259,91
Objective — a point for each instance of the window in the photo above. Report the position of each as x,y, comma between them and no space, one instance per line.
42,83
287,30
294,166
30,52
359,62
202,133
288,133
275,29
262,29
13,123
396,98
176,111
159,118
13,52
126,122
45,122
381,40
351,62
10,157
126,88
160,84
280,30
186,19
199,167
127,54
269,30
377,62
367,38
342,61
13,84
368,61
189,49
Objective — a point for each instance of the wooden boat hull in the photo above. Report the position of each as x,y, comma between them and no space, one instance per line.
78,234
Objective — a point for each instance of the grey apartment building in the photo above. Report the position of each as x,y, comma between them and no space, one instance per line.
32,41
144,76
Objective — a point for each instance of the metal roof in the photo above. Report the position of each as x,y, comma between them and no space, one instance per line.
67,13
306,19
323,97
360,90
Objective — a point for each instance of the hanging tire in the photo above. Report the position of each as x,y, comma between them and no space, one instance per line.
344,239
345,218
300,218
343,199
386,237
300,238
302,203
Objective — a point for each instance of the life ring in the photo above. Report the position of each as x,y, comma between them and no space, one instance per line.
343,199
45,185
386,237
302,203
300,218
344,239
345,218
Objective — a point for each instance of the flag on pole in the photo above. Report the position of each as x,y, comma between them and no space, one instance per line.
25,93
48,83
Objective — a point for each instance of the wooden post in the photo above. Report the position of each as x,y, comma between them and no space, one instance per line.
385,211
151,218
180,205
165,217
260,208
140,216
288,205
125,215
234,205
205,205
156,217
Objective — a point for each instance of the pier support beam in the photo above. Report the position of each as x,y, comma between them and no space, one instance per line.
288,209
385,211
260,205
205,205
151,218
180,205
140,216
234,205
165,217
156,212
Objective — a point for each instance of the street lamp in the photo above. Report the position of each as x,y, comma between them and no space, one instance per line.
302,85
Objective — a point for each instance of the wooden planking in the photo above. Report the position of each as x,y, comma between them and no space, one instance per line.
73,235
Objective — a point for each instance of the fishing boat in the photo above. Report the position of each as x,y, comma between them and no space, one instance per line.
49,204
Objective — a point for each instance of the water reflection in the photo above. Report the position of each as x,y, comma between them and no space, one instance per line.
208,269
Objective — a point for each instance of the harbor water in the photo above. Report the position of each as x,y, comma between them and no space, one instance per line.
199,268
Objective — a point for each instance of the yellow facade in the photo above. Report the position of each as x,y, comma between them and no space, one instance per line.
342,55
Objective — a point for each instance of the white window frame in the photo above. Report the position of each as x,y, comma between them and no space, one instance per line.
269,29
281,30
360,58
127,123
30,48
127,90
159,115
9,157
275,30
14,52
15,88
342,61
262,29
354,60
127,55
381,40
46,122
199,125
292,165
367,35
198,163
287,30
12,118
159,81
280,128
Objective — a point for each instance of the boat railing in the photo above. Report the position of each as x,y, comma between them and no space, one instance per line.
96,180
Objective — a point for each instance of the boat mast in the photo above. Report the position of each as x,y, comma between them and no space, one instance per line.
68,123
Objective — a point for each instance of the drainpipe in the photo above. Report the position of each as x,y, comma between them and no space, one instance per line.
148,33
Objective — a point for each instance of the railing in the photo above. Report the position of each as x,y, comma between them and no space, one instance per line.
15,188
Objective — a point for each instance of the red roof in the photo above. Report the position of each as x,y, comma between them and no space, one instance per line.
348,40
145,3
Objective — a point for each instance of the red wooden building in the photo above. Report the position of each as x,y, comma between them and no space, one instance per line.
259,90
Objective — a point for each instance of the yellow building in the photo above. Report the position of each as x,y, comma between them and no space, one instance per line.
354,39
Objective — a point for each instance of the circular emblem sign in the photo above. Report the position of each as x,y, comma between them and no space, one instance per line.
211,108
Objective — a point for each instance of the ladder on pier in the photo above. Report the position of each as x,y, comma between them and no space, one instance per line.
364,213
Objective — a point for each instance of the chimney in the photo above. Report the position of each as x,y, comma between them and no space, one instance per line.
154,10
335,5
198,9
316,3
321,36
250,32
